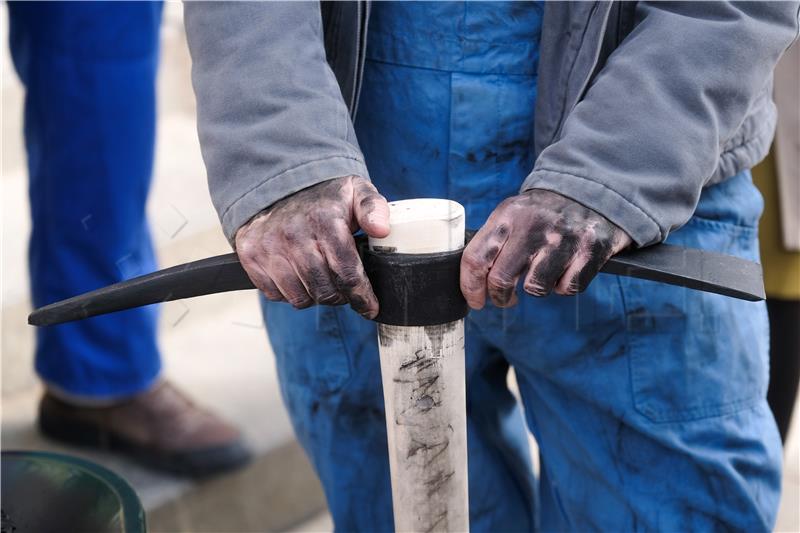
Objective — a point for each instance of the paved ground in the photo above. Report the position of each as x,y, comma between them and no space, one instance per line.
214,347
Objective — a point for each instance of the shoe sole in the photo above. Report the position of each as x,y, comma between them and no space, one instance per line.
195,464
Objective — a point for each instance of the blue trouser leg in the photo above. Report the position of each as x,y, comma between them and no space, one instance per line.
330,378
648,401
89,72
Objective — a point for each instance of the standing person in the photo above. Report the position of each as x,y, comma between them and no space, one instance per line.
569,131
778,179
89,72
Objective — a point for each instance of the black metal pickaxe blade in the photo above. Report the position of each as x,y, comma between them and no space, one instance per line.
674,265
222,273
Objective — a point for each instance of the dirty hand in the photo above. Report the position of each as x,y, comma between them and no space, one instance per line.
560,243
301,250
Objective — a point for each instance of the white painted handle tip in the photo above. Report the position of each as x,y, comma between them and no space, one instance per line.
423,225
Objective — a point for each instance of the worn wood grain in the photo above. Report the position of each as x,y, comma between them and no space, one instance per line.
424,386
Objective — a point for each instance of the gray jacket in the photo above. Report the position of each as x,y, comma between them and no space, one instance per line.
640,105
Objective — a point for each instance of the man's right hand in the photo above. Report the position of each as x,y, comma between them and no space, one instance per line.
301,250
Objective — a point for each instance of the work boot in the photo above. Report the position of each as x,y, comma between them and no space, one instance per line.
160,428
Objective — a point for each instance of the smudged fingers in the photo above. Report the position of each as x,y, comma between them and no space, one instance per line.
549,263
592,254
477,260
501,283
288,282
312,269
347,272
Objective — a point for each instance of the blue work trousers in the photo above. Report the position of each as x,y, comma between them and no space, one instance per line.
89,72
647,401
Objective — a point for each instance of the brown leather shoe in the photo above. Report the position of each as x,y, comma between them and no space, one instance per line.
160,428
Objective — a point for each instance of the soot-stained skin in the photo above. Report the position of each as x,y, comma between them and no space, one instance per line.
557,243
301,250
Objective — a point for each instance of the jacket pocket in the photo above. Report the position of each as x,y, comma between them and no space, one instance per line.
693,354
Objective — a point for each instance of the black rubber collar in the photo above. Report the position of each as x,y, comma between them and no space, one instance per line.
415,289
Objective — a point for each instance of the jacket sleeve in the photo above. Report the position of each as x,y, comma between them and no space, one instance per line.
647,136
271,116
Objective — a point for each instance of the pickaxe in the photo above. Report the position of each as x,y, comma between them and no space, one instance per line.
421,337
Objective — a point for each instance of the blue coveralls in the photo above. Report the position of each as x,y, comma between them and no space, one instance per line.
89,73
647,401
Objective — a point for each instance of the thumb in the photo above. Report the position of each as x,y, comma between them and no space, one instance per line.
370,208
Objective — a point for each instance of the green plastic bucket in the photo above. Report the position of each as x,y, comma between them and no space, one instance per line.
44,492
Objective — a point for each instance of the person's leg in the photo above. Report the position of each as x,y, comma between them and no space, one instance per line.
89,73
784,360
649,401
330,378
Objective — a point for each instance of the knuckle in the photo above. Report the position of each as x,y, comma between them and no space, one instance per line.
472,259
246,250
471,287
313,270
330,298
292,235
490,253
500,281
564,225
367,203
319,219
323,292
271,294
352,282
300,302
349,279
502,230
535,288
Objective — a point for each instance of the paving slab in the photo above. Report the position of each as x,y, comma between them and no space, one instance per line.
321,523
275,493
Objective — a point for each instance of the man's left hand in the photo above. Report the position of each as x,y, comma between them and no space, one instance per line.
560,243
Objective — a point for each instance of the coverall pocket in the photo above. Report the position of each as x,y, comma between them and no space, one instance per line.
693,354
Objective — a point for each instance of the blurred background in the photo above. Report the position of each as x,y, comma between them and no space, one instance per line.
215,347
